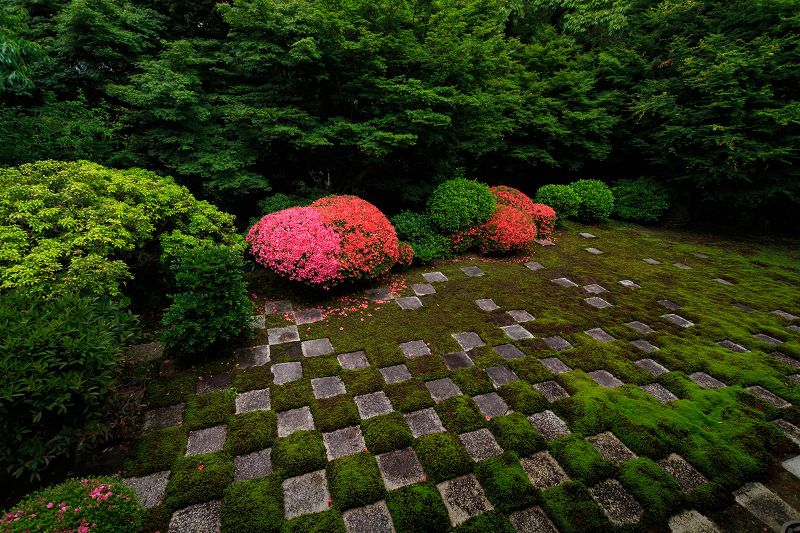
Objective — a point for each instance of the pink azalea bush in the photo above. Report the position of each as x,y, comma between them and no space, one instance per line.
543,216
509,230
98,505
406,254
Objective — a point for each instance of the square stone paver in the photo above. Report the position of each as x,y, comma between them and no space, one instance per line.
763,394
491,404
305,494
442,389
517,332
509,351
558,343
415,348
706,381
555,365
381,294
149,489
254,356
487,304
286,372
765,505
200,518
308,316
409,302
282,335
534,266
617,503
353,360
605,379
295,420
549,425
206,440
400,468
679,320
327,387
254,400
163,417
784,282
544,242
551,391
600,335
791,465
793,327
594,288
586,235
681,265
597,302
343,442
374,518
732,346
154,350
543,471
473,271
395,374
672,306
631,285
769,340
645,346
456,360
743,307
564,282
316,347
423,289
214,383
432,277
280,306
593,251
791,361
374,404
500,375
659,392
700,255
722,281
611,448
651,261
640,327
258,322
791,431
520,315
691,522
651,366
532,520
784,314
685,474
424,422
468,340
480,444
464,498
252,465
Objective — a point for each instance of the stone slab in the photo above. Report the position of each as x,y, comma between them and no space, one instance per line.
468,340
200,518
424,422
400,468
456,360
597,302
252,465
722,281
617,503
254,400
253,356
630,284
544,242
207,440
594,288
672,306
691,522
409,302
464,498
473,271
700,255
154,350
784,282
415,348
442,389
163,417
687,477
769,340
789,430
645,346
433,277
678,320
657,391
327,387
501,375
286,372
557,343
150,489
517,332
480,444
605,379
794,378
594,251
374,404
765,505
732,346
791,361
784,314
681,265
706,381
599,334
307,316
651,366
395,374
374,518
316,347
549,425
551,390
790,465
611,448
531,520
491,404
305,494
520,315
423,289
564,282
487,304
555,365
641,327
743,307
534,266
299,419
381,294
213,383
763,394
343,442
793,327
279,306
651,261
282,335
586,235
543,470
353,360
509,351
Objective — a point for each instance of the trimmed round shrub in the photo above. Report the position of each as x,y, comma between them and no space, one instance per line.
99,505
418,231
509,230
561,198
543,216
597,200
642,200
459,204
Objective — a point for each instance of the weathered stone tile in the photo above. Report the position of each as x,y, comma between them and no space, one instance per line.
722,281
549,425
532,520
442,389
620,507
521,315
491,404
280,306
784,314
316,347
381,294
706,381
327,387
785,359
701,256
509,351
605,379
640,327
557,343
555,365
732,346
154,350
685,474
651,366
691,522
678,320
597,302
657,391
784,282
544,242
564,282
793,327
286,372
765,505
672,306
456,360
795,378
252,465
395,374
644,345
353,360
374,404
500,375
468,340
150,489
790,465
480,444
254,400
594,288
631,285
206,440
517,332
651,261
258,322
254,356
594,251
769,340
791,431
743,307
415,348
343,442
611,448
763,394
473,271
534,266
423,289
400,468
214,383
424,422
295,420
586,235
374,518
599,334
464,498
551,390
487,304
432,277
543,471
282,335
409,302
681,265
308,316
163,417
305,494
200,518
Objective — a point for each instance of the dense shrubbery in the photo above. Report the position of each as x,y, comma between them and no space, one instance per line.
99,505
417,229
210,303
509,230
596,200
459,204
59,360
643,200
561,198
543,216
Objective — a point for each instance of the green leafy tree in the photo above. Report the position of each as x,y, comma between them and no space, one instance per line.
17,55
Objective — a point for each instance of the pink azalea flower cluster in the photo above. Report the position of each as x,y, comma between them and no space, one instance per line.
543,216
406,254
509,230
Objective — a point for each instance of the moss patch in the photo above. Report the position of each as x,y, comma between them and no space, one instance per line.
408,396
198,479
299,453
165,391
253,378
427,367
155,452
417,509
386,433
255,505
355,481
572,509
362,381
292,395
514,433
251,432
506,484
491,521
473,381
206,410
581,460
459,414
443,456
521,396
334,413
327,522
657,492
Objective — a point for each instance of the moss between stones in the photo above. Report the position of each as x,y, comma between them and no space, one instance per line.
299,453
657,491
581,460
253,378
321,367
206,410
156,519
491,521
362,381
355,481
381,358
251,432
408,396
427,367
530,369
334,413
292,395
198,478
418,509
506,484
473,381
514,433
521,396
165,391
459,414
253,506
386,433
326,522
155,452
572,509
443,456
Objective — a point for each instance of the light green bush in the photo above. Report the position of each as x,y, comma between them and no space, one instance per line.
596,200
459,204
561,198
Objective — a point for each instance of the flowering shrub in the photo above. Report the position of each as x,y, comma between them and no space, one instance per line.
543,216
99,505
406,254
459,204
509,230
